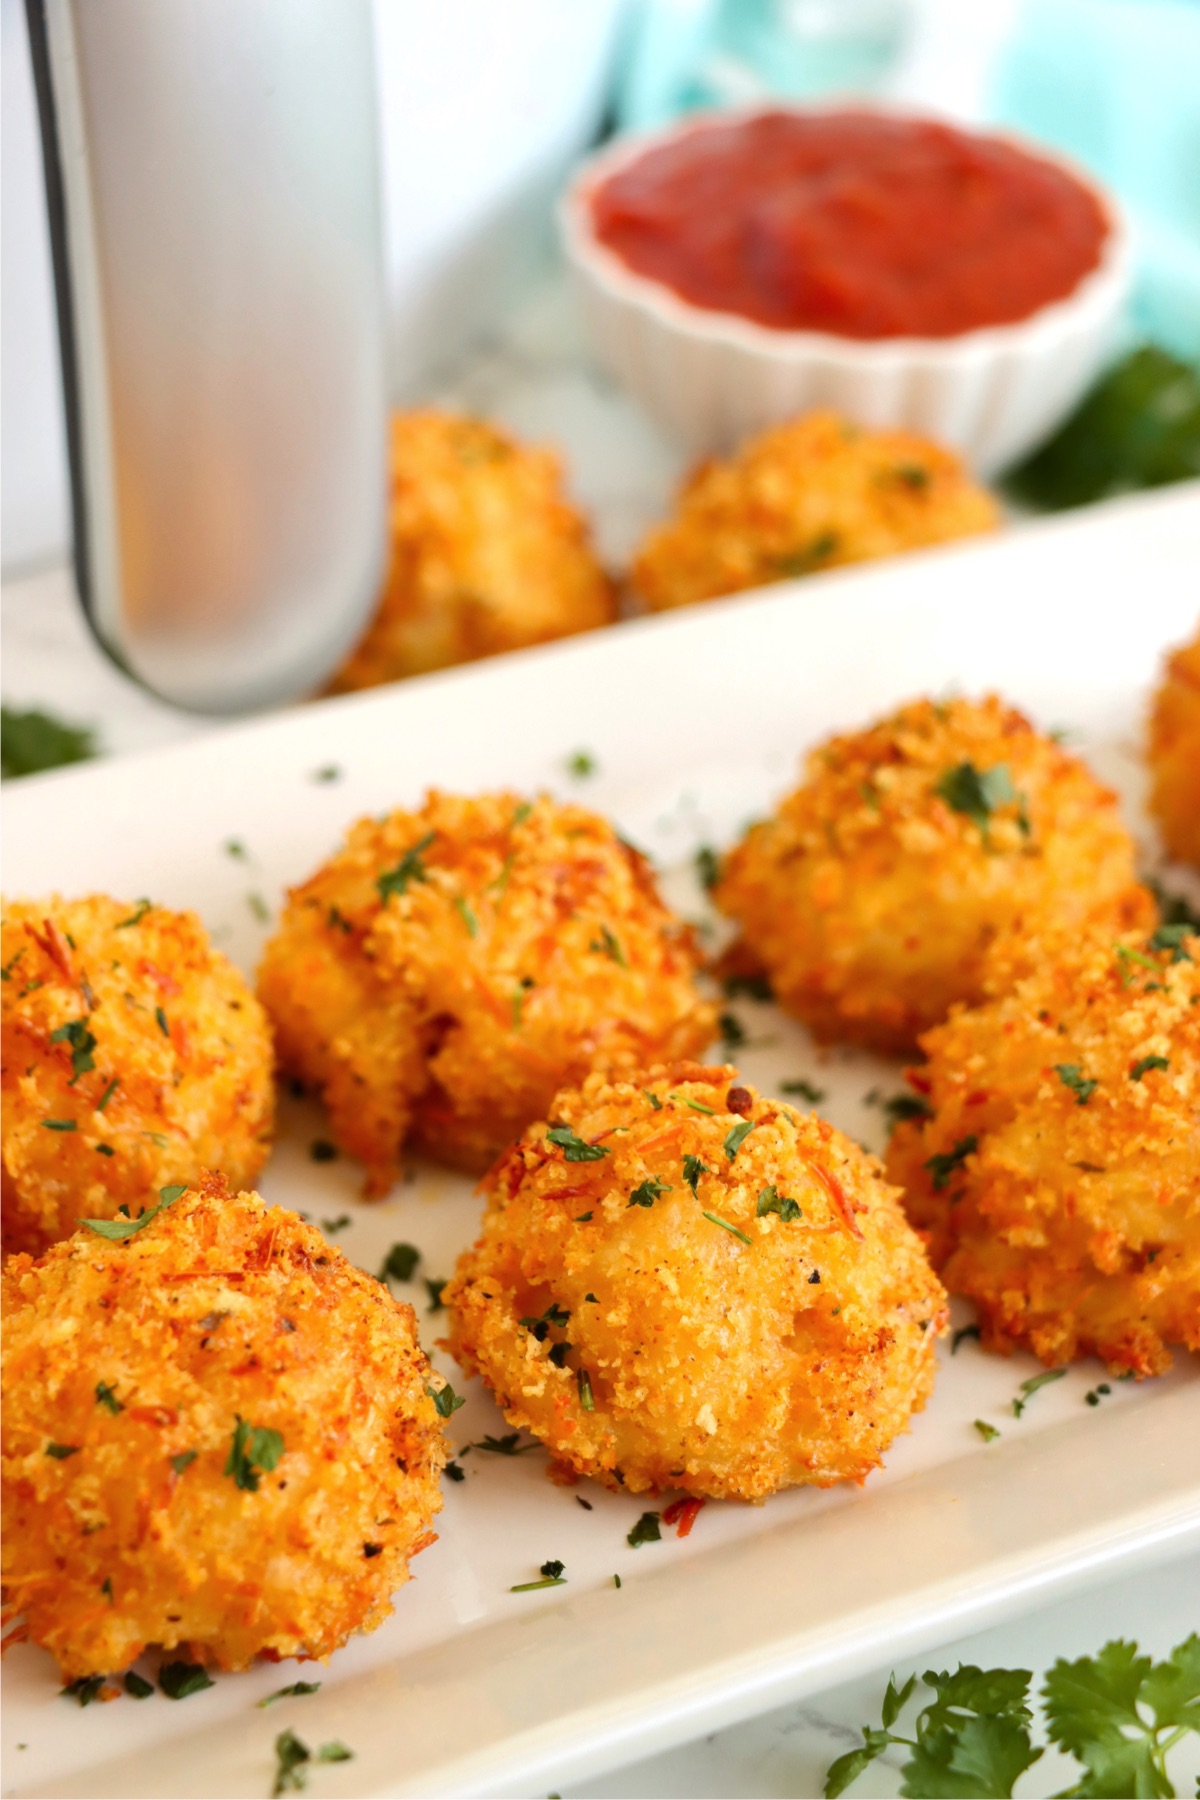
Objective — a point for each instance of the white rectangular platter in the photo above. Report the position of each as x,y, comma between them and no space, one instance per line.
696,723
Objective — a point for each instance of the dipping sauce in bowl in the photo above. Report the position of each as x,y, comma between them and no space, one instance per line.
858,224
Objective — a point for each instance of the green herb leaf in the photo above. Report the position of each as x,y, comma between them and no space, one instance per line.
1029,1388
291,1692
547,1581
733,1032
410,868
291,1754
179,1679
607,945
540,1326
648,1191
693,1169
334,1752
60,1452
807,1090
253,1448
754,986
106,1397
60,1125
646,1531
126,1228
902,1107
445,1399
737,1136
574,1149
454,1473
987,1432
140,909
1144,1064
960,1337
33,741
976,793
848,1768
322,1151
771,1201
583,1382
466,915
183,1460
508,1445
1071,1075
716,1219
108,1093
708,867
1171,937
399,1263
85,1689
948,1162
137,1687
82,1042
581,764
433,1289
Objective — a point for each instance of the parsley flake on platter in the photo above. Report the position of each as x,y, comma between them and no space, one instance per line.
445,1399
1029,1388
646,1531
399,1263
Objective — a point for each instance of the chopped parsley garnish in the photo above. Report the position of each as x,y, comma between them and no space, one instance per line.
807,1090
254,1448
902,1107
948,1162
987,1432
607,945
85,1689
160,1019
445,1399
696,1105
454,1472
708,867
140,909
582,1218
508,1445
82,1042
547,1581
693,1169
466,915
137,1687
770,1201
1144,1064
1095,1395
646,1531
655,1102
33,741
737,1136
1125,956
559,1354
715,1219
648,1191
183,1460
236,849
330,772
1072,1076
179,1679
104,1150
433,1289
583,1382
332,1226
1029,1388
127,1227
521,814
321,1150
60,1452
292,1755
573,1147
539,1327
259,907
961,1336
106,1397
1170,937
733,1032
552,1569
60,1125
411,867
581,764
977,793
293,1691
399,1263
10,965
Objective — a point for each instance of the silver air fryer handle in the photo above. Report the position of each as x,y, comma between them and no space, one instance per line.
212,181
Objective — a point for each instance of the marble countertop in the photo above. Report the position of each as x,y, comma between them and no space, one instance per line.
533,377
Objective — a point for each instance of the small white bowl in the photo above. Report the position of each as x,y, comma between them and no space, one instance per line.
712,378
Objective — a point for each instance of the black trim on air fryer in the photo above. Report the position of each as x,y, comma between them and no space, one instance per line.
56,208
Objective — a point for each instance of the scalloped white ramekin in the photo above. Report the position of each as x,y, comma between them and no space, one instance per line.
712,378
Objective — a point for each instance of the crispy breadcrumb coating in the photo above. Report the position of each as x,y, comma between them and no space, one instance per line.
1174,752
487,554
134,1055
725,1298
145,1500
1058,1177
871,896
448,969
805,496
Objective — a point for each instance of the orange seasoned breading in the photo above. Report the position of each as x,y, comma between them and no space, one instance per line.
805,496
681,1285
218,1438
872,895
1058,1176
134,1055
486,553
1174,753
448,969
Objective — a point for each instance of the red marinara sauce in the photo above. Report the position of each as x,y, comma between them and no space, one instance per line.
860,224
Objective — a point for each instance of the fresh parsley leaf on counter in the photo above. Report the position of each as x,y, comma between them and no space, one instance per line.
33,741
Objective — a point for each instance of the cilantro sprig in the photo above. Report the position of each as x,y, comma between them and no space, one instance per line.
1118,1713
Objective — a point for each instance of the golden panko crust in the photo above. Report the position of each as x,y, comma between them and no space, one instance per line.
1058,1178
1174,752
872,895
134,1055
135,1370
448,969
805,496
662,1322
486,553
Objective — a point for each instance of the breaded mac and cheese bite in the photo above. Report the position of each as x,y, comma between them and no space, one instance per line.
873,893
219,1437
1174,754
487,553
449,968
801,497
1055,1160
134,1055
681,1284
